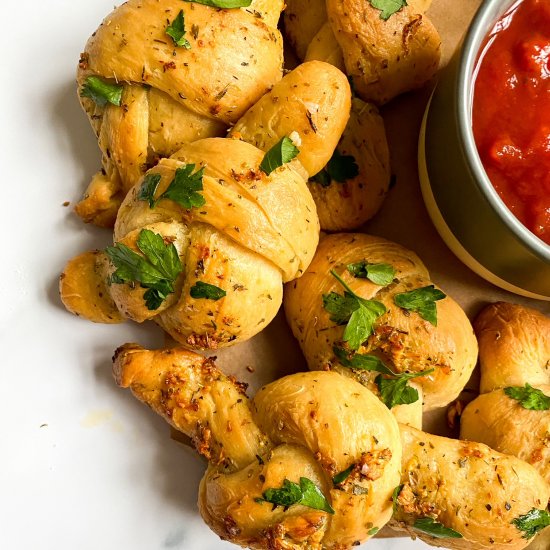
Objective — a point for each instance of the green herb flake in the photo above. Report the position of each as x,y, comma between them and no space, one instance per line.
396,391
176,31
306,494
422,300
379,274
340,168
529,398
281,153
156,270
373,531
343,475
388,7
226,4
148,189
532,522
361,361
435,529
101,92
206,290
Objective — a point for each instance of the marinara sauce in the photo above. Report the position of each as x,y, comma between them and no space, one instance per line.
511,112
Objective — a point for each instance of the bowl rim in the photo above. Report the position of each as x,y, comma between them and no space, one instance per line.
473,41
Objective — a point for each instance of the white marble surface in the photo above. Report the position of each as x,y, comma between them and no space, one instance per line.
82,464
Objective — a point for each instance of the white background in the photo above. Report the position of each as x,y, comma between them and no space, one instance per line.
83,465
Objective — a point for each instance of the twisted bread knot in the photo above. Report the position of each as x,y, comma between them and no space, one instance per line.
401,338
384,56
324,435
468,487
307,425
514,346
171,95
252,232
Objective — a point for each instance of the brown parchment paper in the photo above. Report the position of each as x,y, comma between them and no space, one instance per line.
404,219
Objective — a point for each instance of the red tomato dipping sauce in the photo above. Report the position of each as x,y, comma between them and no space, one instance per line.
511,112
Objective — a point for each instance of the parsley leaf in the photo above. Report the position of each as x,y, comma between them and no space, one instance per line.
532,522
361,361
435,529
101,92
361,323
343,475
340,168
281,153
340,307
307,494
156,270
223,3
183,189
359,314
322,178
176,31
422,300
373,531
379,274
529,397
388,7
208,291
185,186
396,391
149,188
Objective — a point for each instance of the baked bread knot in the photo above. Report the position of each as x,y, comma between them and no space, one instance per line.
385,54
512,414
514,346
310,463
469,488
228,228
172,88
392,334
350,190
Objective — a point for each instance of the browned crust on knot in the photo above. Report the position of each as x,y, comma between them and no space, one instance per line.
409,30
410,503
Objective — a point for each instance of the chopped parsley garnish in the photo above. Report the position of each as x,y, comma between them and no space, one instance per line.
156,270
206,290
183,189
435,529
422,300
101,92
529,397
343,475
149,188
361,361
176,31
396,391
227,4
373,531
340,168
358,314
306,494
532,522
281,153
379,274
388,7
